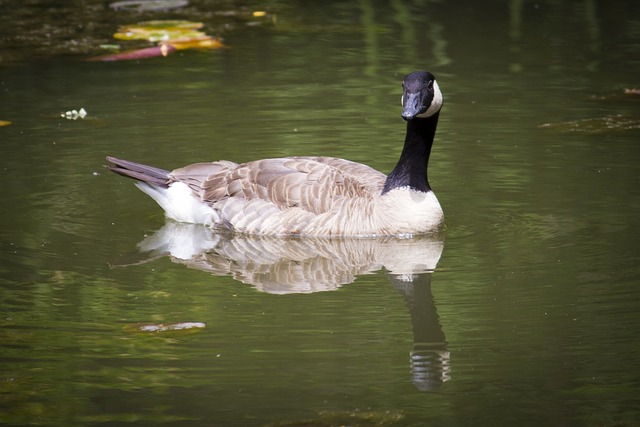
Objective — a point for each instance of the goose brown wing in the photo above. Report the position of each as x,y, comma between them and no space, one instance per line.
194,175
311,183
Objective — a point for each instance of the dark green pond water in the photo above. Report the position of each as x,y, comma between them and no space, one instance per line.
529,319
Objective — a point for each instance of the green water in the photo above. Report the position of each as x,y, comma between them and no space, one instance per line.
530,317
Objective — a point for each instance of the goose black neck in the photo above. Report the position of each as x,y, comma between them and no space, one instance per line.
411,170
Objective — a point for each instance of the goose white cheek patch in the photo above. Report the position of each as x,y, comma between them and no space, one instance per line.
436,102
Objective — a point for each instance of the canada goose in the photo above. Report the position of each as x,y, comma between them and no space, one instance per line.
310,196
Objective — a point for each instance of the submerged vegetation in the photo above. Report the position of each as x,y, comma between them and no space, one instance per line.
596,124
354,418
601,124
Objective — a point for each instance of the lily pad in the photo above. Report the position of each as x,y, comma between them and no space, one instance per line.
205,42
171,34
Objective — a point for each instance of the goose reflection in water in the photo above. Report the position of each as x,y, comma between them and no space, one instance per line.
300,265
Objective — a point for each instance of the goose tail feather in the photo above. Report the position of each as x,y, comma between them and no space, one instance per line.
149,174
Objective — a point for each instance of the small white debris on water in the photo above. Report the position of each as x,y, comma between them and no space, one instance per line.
171,327
74,114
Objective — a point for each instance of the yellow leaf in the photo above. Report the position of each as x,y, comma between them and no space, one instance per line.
206,42
4,123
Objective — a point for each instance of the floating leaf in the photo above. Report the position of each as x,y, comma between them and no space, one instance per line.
596,125
149,52
147,5
171,34
632,91
206,42
181,328
4,123
259,14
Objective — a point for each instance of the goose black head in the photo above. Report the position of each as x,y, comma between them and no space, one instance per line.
421,96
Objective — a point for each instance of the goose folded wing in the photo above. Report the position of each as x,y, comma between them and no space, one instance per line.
194,175
310,183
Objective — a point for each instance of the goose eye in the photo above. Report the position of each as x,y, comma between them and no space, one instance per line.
430,84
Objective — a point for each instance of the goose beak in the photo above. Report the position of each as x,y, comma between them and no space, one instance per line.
412,106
